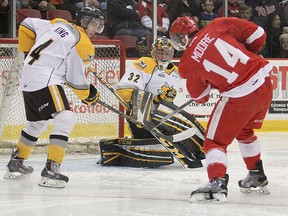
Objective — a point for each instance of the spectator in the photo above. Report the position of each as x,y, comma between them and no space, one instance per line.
178,8
4,16
217,4
4,8
124,19
245,12
60,4
142,49
262,8
273,30
42,5
146,15
283,39
233,9
207,14
284,5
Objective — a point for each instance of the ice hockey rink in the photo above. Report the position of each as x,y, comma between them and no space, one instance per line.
97,190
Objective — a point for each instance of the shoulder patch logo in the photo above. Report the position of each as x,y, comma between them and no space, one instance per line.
141,64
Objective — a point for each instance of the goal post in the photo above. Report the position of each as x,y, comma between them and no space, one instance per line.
93,123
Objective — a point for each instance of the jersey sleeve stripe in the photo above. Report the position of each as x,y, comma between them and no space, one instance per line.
257,34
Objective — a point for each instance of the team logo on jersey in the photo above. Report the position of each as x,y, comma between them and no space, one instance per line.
141,64
166,92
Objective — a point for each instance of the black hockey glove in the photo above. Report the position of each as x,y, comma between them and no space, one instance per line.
93,97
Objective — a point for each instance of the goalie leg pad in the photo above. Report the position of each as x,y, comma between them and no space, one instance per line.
134,153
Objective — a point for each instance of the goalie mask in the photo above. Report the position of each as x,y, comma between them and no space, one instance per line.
162,52
88,14
180,30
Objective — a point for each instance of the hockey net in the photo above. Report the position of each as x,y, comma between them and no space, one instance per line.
93,123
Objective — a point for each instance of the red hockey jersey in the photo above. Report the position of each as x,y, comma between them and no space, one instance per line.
223,56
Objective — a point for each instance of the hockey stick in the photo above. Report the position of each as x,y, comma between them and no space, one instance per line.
120,99
177,110
170,138
159,136
150,127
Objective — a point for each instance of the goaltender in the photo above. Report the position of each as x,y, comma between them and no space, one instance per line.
158,77
58,53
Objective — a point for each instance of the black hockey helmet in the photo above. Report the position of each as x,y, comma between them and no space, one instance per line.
86,14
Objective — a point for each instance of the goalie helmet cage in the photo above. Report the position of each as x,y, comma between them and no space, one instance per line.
92,123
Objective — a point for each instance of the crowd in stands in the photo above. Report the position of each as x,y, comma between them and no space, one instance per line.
134,17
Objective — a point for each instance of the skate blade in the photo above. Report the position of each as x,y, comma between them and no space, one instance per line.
16,175
263,190
51,183
204,197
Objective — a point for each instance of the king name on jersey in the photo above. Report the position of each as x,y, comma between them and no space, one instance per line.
61,31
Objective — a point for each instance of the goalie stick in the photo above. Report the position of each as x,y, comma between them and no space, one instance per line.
170,138
178,109
120,99
150,127
175,111
164,140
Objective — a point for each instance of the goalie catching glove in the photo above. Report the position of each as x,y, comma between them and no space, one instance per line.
92,98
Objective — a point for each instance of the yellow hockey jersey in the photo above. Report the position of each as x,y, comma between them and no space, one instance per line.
58,53
144,74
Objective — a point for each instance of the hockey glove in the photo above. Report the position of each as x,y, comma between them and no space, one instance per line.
167,95
93,97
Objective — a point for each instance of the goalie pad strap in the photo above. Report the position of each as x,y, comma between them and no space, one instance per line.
134,153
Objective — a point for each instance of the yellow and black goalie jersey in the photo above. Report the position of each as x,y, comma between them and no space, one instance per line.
144,74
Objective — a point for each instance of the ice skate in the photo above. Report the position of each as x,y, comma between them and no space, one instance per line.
215,191
16,169
255,181
51,176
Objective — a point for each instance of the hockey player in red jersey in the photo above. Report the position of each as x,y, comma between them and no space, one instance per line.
223,56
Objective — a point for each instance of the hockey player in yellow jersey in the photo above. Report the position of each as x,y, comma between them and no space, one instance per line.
156,74
150,80
57,53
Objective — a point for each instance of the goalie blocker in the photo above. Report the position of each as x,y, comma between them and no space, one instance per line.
151,152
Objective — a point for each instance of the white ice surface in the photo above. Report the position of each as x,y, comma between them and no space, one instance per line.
105,191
